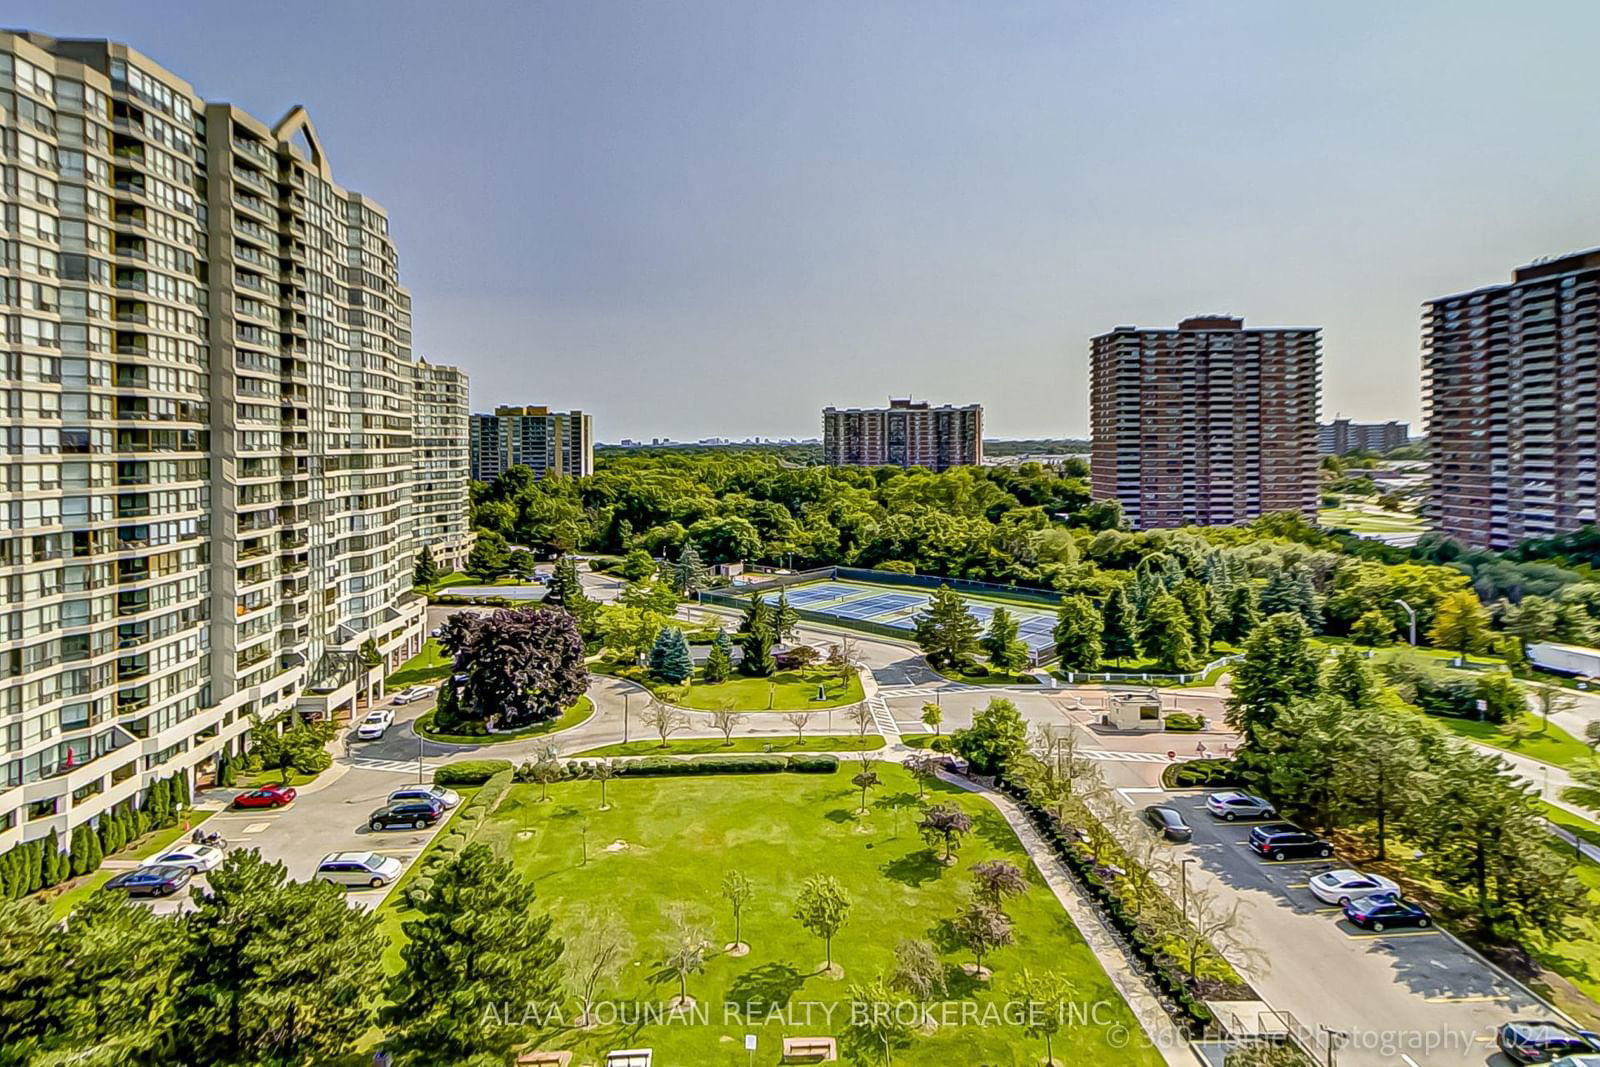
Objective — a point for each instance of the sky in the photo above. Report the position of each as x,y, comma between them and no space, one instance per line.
715,218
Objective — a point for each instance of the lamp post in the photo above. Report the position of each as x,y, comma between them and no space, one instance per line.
1412,614
626,695
1183,877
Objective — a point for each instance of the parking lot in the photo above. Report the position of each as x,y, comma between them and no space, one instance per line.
1407,985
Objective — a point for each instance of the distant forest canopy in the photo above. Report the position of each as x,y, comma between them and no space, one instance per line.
1027,524
1035,446
809,454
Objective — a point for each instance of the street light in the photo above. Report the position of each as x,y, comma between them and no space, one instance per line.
1183,876
1412,612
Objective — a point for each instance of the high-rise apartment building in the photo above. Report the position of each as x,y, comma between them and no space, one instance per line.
439,499
208,387
548,442
904,434
1510,380
1209,423
1341,437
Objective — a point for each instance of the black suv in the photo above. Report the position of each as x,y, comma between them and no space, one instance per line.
415,813
1282,841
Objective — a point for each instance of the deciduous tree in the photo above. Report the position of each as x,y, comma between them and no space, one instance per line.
1168,634
982,928
944,824
738,891
1461,623
823,908
1279,666
665,720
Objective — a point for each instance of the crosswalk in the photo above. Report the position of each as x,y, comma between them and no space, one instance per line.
1122,757
397,766
884,720
929,690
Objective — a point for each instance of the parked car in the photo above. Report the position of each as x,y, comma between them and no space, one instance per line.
1282,841
1231,806
447,798
1543,1040
1379,913
1580,1060
415,693
375,725
162,880
268,796
197,858
1169,822
358,869
1336,887
415,813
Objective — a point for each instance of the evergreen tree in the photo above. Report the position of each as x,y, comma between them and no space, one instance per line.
1349,680
1291,590
719,663
564,582
1279,666
425,572
1120,630
54,867
1238,616
785,620
758,641
79,851
947,632
1080,633
669,657
122,960
1196,601
1168,634
687,575
34,978
477,941
490,557
1145,588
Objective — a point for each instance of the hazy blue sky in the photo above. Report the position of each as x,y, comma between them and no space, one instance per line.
694,218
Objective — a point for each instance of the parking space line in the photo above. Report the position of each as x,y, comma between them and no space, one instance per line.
1484,998
1370,935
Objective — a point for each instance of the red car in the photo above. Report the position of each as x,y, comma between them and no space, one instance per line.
268,796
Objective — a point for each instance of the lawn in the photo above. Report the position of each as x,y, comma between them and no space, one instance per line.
576,715
1550,745
429,665
1576,957
257,779
668,841
784,691
1576,825
701,745
991,677
1370,522
67,896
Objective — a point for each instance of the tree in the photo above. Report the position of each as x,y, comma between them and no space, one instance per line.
684,955
564,583
799,720
546,770
945,824
823,908
650,595
874,1028
425,572
1120,627
997,732
996,881
842,658
865,779
759,637
34,977
477,941
630,631
738,891
1591,735
1290,590
1079,633
1461,623
1384,773
1279,666
594,955
1044,998
1007,653
665,720
918,973
1238,615
924,767
121,959
490,557
257,934
1349,679
982,928
603,772
1196,601
785,619
669,656
1374,628
932,716
687,575
517,667
521,565
861,715
301,748
636,564
1168,634
727,721
947,632
1551,699
1585,792
719,662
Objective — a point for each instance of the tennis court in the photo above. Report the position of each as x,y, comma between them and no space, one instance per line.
899,609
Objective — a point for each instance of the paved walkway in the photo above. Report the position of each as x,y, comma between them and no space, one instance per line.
1153,1019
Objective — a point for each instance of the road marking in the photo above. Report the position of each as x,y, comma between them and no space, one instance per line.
1370,935
255,828
885,721
1485,998
1298,885
1409,1061
1327,910
397,766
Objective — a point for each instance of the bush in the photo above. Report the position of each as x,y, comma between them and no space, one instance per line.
662,766
1190,773
942,744
470,772
1184,722
814,764
418,890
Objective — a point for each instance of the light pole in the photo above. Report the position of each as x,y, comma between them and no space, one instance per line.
1412,613
421,744
626,695
1183,877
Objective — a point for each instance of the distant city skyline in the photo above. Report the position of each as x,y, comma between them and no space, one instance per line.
711,219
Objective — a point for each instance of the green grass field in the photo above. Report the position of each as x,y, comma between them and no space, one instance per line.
668,842
429,665
783,691
699,746
1368,522
1550,745
576,715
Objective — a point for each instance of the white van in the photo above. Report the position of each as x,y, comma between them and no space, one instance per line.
367,870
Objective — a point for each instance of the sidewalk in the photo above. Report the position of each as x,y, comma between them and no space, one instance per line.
1153,1019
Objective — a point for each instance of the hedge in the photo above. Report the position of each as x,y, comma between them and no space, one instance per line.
458,834
1184,722
470,771
1190,773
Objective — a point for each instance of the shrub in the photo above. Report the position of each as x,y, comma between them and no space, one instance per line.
814,764
661,766
1190,773
942,744
1185,722
418,890
470,772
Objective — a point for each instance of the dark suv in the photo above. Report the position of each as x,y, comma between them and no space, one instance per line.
1282,841
415,813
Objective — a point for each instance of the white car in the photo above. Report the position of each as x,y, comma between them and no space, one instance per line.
1336,887
197,858
447,798
415,693
375,724
367,870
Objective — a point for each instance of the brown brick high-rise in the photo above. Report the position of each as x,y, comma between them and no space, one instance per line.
1208,424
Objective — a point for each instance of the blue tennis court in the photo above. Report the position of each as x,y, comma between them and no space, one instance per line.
899,609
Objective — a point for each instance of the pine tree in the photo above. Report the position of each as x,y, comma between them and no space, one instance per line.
688,573
785,620
1238,616
80,849
719,663
947,632
1168,634
1120,627
669,656
52,861
564,582
425,572
1003,643
758,641
1080,633
1196,601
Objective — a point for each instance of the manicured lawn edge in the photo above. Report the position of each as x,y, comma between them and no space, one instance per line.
713,745
1577,825
576,715
429,665
982,679
64,900
788,696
